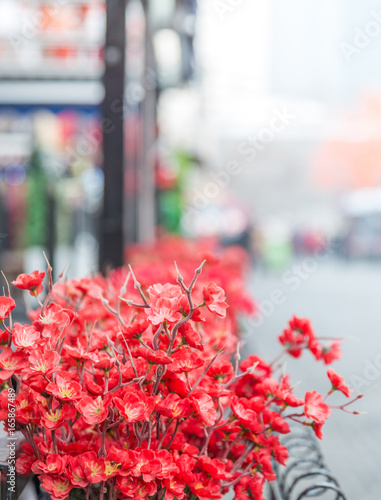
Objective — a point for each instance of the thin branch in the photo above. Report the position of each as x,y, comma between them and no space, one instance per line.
203,373
138,287
156,336
122,292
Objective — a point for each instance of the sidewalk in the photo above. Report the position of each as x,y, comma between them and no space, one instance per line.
342,300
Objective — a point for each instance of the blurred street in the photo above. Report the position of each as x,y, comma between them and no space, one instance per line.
342,300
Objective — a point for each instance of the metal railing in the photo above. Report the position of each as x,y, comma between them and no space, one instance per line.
306,474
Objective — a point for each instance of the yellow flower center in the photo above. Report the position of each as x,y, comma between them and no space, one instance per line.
97,407
42,366
47,320
61,484
111,467
9,365
53,416
95,468
65,391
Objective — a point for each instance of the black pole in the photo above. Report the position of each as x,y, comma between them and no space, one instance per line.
146,168
111,231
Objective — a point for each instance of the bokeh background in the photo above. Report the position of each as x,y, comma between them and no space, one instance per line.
254,121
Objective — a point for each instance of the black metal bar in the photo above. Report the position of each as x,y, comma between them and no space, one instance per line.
306,474
111,231
275,491
318,489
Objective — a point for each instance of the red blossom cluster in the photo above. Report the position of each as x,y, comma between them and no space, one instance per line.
299,336
132,389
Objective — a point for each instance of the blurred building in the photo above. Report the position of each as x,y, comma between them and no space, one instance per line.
311,64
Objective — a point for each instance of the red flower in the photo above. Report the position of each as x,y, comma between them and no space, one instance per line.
291,400
214,298
222,371
174,407
331,352
4,337
301,325
76,474
93,467
315,349
58,486
214,467
7,304
164,310
165,303
168,466
25,336
24,463
275,422
204,487
185,360
264,466
278,451
128,486
248,488
180,443
186,465
338,383
269,388
298,336
246,415
11,362
174,488
135,330
153,357
196,316
204,407
125,458
168,291
191,337
102,360
31,282
54,316
135,406
146,465
317,429
111,468
94,411
146,490
77,352
26,411
293,342
44,362
54,464
151,465
64,388
136,488
315,408
57,415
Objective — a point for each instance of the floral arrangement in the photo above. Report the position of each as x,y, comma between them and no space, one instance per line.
132,386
